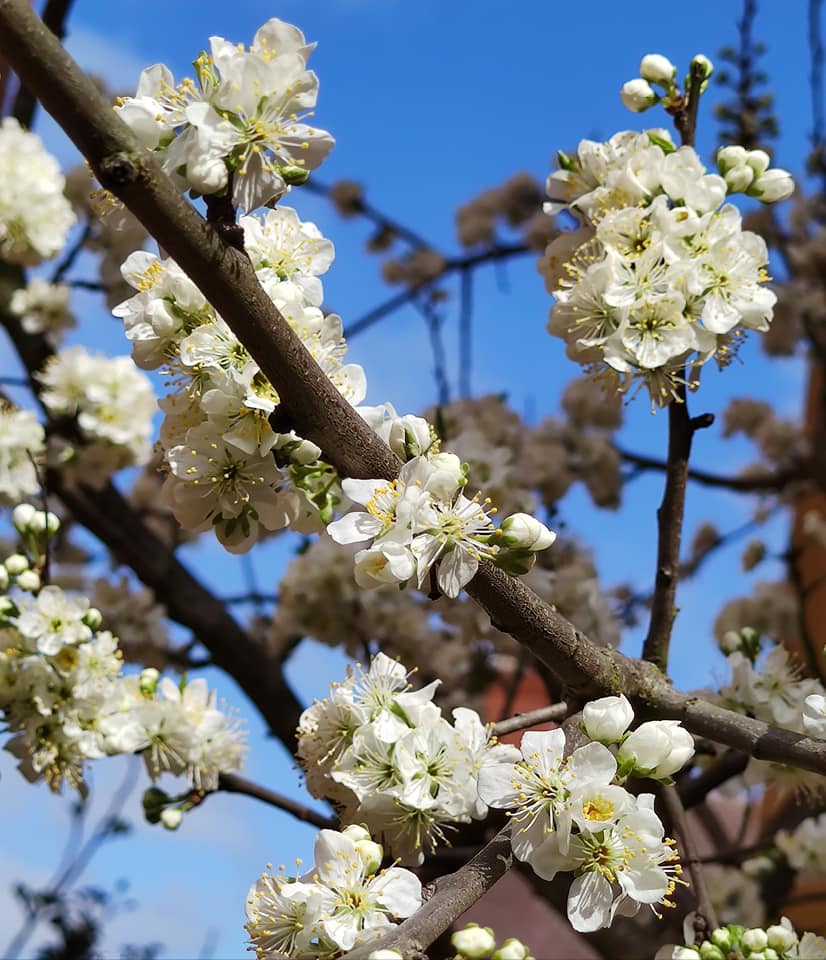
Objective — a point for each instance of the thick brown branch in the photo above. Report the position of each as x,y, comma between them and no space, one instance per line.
454,893
318,412
55,15
232,783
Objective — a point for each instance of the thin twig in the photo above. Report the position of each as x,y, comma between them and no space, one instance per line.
706,918
232,783
369,212
465,330
761,483
491,255
433,322
71,255
531,718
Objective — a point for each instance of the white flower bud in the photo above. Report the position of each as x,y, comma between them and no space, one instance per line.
447,477
730,642
781,937
384,954
44,521
29,580
708,951
409,437
759,161
93,618
656,68
171,818
474,943
755,939
730,157
148,682
22,516
739,179
657,748
16,564
4,577
704,63
607,719
512,949
637,95
773,186
721,937
206,174
525,532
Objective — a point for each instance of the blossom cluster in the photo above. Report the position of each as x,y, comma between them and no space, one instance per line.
35,217
65,699
771,688
43,308
345,900
422,517
239,127
113,403
570,813
386,756
219,447
777,942
22,446
659,276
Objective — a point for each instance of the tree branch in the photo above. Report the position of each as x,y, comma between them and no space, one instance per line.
532,718
453,894
232,783
763,483
55,14
315,409
706,918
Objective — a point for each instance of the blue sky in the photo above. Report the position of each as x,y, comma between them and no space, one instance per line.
430,103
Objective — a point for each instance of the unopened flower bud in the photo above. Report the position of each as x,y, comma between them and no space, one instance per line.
722,938
22,516
4,577
384,954
148,682
16,564
781,937
755,939
29,580
512,949
739,179
730,157
637,95
447,477
207,175
44,521
607,719
171,817
730,642
759,161
704,64
657,749
93,618
773,186
7,607
708,951
522,531
656,68
409,437
474,942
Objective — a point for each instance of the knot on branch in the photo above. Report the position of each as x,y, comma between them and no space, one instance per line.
118,170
